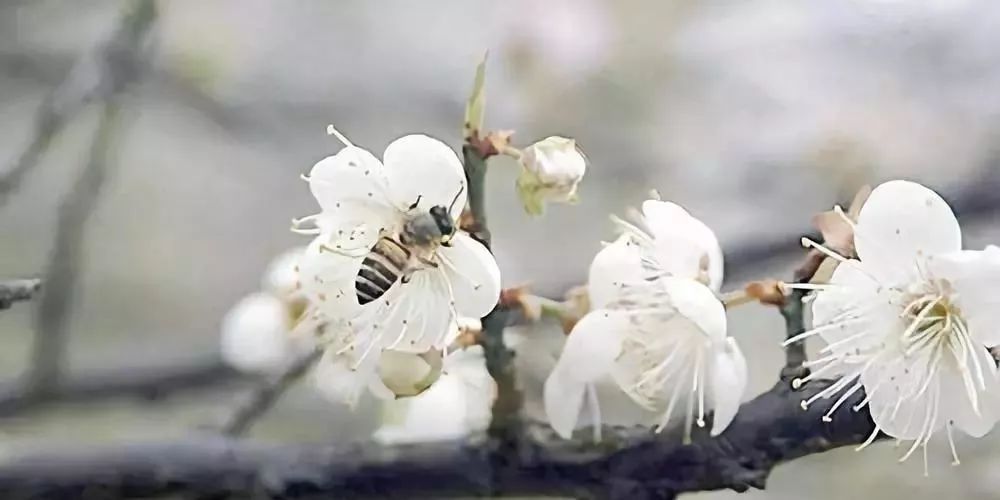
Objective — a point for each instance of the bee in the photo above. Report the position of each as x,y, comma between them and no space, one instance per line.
396,257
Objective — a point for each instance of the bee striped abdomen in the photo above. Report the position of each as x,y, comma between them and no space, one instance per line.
380,269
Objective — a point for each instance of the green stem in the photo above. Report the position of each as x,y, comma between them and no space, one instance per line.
795,353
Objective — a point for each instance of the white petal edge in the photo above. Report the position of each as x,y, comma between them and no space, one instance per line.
418,166
563,402
352,177
683,241
473,274
900,222
697,303
618,263
728,382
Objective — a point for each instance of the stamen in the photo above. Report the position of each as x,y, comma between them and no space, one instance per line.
666,415
809,243
330,130
847,394
951,444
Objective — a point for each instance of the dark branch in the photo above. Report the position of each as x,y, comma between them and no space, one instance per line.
767,431
265,395
12,291
147,383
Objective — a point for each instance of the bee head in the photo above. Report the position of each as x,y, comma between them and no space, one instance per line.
442,219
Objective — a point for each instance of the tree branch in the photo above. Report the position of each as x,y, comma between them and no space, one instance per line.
146,383
767,431
118,63
12,291
94,76
265,395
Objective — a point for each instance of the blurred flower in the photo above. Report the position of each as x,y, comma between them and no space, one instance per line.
457,405
256,333
552,169
365,205
659,336
910,320
683,246
281,277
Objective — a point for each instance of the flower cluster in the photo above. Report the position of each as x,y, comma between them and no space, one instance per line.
388,271
657,328
910,321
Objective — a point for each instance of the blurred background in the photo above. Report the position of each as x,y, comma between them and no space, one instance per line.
754,115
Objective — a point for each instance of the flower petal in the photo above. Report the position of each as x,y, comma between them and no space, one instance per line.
350,187
686,247
418,166
563,402
327,279
473,274
697,303
413,317
973,275
593,345
336,377
900,404
727,382
861,310
617,264
255,336
957,407
901,221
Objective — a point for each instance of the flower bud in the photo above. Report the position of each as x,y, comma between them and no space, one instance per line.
552,168
408,374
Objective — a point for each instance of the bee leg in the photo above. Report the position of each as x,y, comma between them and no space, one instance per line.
427,262
414,205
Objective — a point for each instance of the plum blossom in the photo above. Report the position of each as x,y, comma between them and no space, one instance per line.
658,330
910,321
363,200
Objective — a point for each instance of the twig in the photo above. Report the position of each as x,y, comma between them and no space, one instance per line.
119,62
94,76
12,291
263,397
146,383
767,431
795,353
50,340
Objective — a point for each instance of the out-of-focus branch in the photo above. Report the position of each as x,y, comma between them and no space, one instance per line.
12,291
95,76
146,383
118,64
48,353
263,397
767,431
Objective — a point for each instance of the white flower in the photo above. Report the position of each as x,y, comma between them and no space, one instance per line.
685,247
552,169
662,338
454,407
255,335
281,277
910,320
363,200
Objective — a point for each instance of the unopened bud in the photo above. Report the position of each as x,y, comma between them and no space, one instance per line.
408,374
552,169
